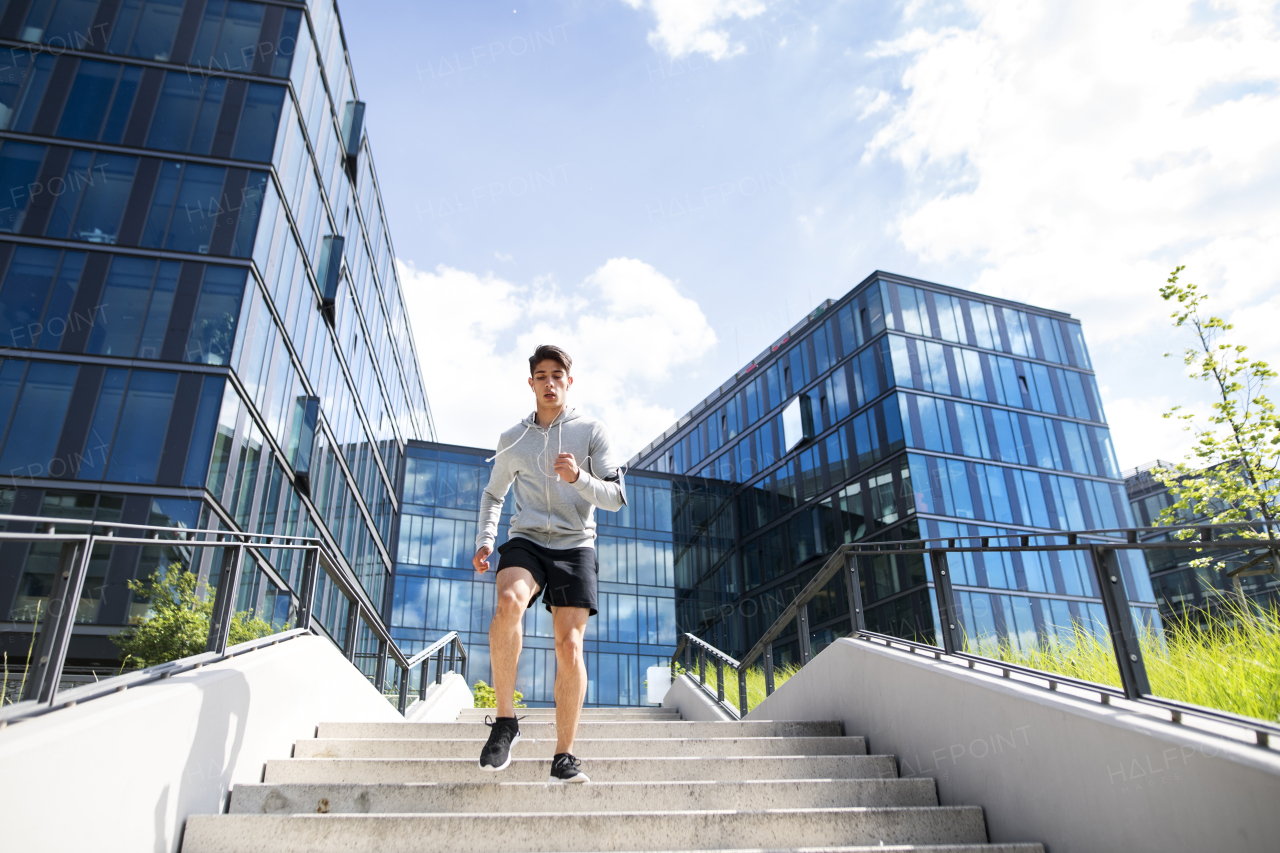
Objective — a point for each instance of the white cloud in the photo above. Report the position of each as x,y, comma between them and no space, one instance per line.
627,326
1073,154
694,26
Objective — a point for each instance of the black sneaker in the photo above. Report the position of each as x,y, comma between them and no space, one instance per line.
504,733
565,768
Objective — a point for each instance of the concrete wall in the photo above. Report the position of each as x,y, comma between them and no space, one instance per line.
123,772
1075,775
692,702
443,701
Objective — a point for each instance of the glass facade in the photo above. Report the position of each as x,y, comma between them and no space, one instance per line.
436,590
200,319
1187,589
903,410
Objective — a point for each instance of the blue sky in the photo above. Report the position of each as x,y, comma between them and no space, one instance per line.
664,186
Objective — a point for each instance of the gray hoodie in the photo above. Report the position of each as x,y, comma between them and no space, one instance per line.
549,511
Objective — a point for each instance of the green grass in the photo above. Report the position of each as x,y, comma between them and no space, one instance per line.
755,682
1231,663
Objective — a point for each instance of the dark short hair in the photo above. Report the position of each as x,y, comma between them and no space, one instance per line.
548,352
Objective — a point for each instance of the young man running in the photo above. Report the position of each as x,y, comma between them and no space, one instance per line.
562,466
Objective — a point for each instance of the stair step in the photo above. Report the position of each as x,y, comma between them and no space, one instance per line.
720,768
584,747
570,832
586,729
477,715
647,711
495,797
879,848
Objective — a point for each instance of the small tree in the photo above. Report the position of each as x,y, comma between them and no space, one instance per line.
1230,475
177,625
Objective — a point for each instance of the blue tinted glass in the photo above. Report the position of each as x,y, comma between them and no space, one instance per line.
176,111
69,190
213,329
157,322
24,294
124,306
11,84
10,381
88,101
210,24
202,435
162,204
37,421
144,419
57,316
71,24
256,137
207,119
288,43
98,446
153,38
25,111
122,105
196,209
19,166
250,210
238,40
105,196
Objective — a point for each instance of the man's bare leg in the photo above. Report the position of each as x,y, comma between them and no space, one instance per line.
571,672
506,637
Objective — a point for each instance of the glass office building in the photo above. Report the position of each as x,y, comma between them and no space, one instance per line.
1187,589
904,409
200,319
436,590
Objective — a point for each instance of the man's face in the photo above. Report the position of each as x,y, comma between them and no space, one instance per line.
550,383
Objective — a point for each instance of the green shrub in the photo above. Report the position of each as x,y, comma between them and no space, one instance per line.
755,681
177,625
486,698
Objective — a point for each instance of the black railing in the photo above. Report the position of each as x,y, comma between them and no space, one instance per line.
1102,549
53,633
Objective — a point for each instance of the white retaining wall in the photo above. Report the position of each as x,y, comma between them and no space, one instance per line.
121,773
1073,774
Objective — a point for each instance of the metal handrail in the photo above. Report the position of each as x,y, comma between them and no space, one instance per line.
54,633
1102,547
454,643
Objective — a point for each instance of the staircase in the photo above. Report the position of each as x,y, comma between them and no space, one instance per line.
658,784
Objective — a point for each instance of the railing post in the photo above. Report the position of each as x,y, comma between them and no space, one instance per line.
742,692
688,654
802,628
307,590
719,680
451,653
404,689
353,625
224,601
952,636
50,653
465,660
857,619
1124,634
440,665
768,669
380,672
702,666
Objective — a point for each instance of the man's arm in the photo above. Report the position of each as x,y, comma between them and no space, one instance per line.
491,500
606,490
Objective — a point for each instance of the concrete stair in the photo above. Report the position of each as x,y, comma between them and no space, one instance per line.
659,785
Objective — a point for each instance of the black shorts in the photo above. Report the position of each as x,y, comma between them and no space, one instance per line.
565,578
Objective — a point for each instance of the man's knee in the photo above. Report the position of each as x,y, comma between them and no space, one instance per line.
569,648
510,605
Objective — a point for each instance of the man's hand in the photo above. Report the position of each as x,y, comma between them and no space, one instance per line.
481,559
567,467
